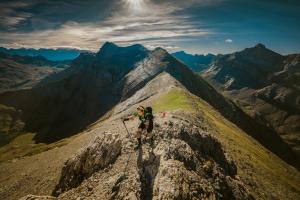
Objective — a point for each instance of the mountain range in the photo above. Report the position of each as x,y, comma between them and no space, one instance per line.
196,62
64,139
59,54
21,72
265,85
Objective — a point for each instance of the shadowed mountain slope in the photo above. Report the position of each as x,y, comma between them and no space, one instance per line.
248,68
65,103
197,63
95,83
23,72
59,54
196,154
265,85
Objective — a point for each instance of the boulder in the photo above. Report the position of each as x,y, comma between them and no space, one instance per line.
99,155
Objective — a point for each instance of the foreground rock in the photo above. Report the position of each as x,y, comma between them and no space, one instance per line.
182,161
188,163
34,197
99,155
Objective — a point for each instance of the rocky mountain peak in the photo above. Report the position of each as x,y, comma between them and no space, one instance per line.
260,46
180,53
160,51
110,49
84,59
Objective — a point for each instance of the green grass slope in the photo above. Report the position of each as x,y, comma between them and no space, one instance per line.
265,174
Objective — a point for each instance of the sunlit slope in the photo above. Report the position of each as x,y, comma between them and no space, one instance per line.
266,175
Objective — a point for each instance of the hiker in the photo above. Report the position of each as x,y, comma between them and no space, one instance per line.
146,122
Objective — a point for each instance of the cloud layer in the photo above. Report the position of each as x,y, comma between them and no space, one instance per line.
193,25
152,23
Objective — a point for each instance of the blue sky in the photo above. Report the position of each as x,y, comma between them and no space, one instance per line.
196,26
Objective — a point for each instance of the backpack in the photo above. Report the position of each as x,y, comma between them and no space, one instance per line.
148,110
149,115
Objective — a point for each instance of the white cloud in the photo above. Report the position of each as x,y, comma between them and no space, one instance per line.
228,40
9,17
153,25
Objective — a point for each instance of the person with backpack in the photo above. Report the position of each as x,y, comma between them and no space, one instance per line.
146,122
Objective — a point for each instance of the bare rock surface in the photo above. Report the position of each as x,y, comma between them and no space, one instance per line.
102,152
181,161
34,197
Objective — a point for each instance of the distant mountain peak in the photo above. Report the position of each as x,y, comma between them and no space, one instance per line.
109,44
57,54
159,49
180,53
260,51
160,52
260,46
196,62
110,48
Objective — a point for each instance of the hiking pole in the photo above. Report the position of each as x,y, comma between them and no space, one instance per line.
127,162
128,133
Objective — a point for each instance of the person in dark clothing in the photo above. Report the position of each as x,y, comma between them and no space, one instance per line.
146,122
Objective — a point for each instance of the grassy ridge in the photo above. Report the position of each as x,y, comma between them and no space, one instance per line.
174,99
24,145
266,175
11,124
14,142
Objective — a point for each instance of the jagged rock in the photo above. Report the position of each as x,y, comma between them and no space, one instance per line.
100,154
183,162
34,197
188,163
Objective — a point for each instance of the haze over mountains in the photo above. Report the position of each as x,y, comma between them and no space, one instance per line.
197,63
202,126
59,54
23,72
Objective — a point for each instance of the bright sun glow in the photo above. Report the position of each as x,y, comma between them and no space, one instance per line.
135,5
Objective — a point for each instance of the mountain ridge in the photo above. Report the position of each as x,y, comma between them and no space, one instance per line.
59,54
113,85
174,154
23,72
203,146
265,85
196,62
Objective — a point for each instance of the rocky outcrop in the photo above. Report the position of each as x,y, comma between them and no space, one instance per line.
101,153
188,163
34,197
181,161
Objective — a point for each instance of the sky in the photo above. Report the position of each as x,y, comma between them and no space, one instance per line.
195,26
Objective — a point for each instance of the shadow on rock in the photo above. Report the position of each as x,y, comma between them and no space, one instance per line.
148,169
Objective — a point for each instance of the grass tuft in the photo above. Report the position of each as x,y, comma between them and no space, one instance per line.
172,100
